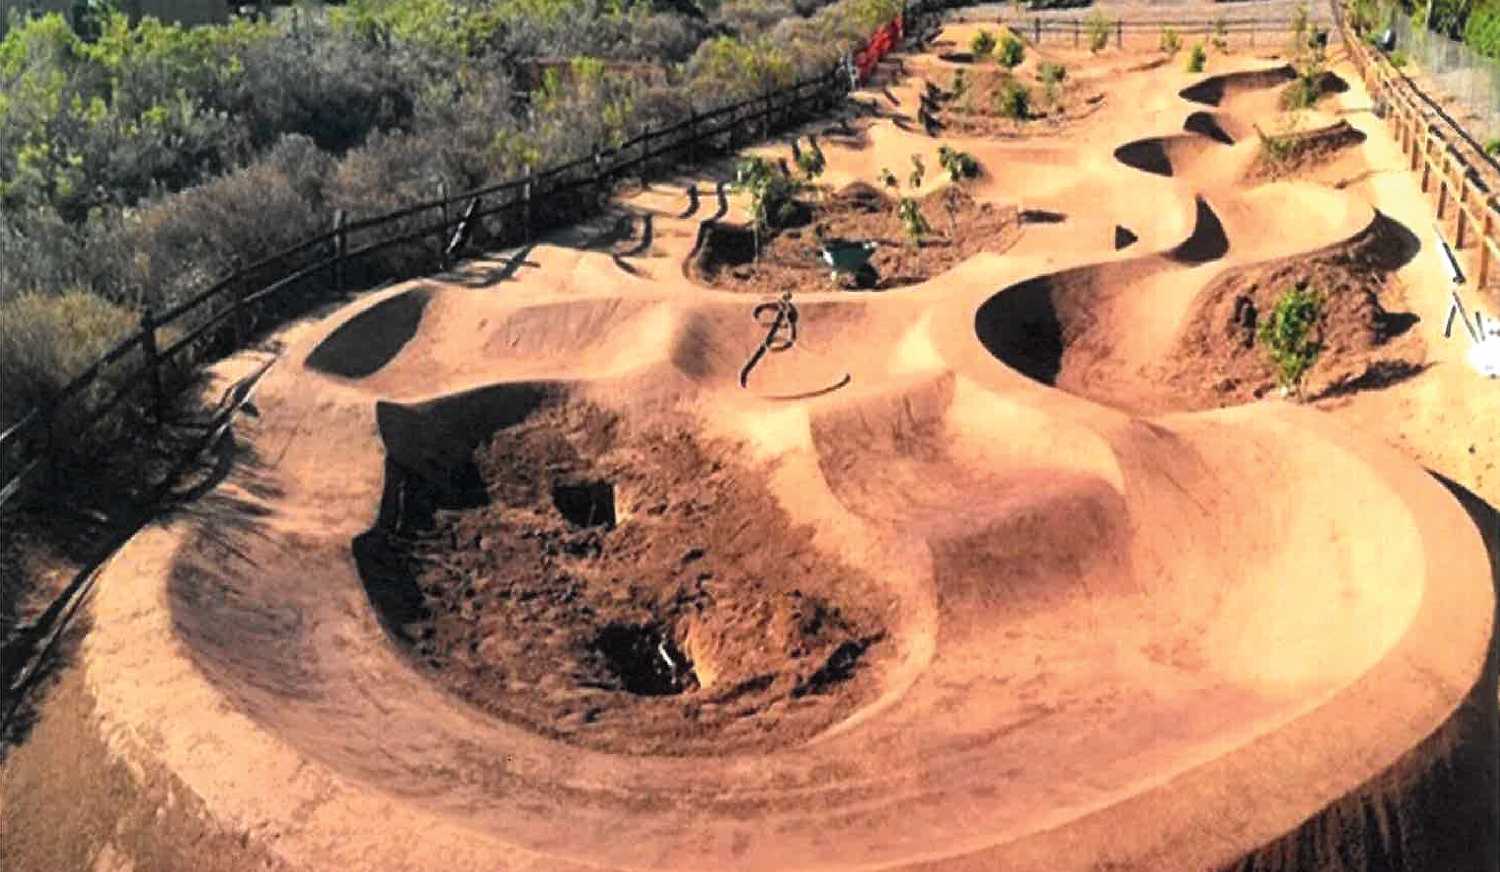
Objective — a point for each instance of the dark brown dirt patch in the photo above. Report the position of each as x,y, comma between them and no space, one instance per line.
790,260
1286,155
635,589
972,104
1364,333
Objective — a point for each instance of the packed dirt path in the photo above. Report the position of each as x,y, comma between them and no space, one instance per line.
539,565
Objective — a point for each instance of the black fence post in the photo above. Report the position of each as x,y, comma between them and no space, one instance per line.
340,248
1119,33
1076,33
1036,29
153,360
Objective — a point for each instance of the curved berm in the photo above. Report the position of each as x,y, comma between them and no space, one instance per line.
600,569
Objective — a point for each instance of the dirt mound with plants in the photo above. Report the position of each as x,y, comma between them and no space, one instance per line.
632,589
1362,334
1298,152
791,259
1006,104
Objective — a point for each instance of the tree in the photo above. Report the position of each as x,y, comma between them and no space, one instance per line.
771,192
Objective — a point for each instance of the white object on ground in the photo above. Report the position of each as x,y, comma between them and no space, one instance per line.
1484,355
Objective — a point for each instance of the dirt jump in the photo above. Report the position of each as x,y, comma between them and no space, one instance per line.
625,561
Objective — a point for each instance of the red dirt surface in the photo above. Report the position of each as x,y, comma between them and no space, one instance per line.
559,623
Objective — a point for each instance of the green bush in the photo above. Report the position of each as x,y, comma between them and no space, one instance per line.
1012,100
1288,336
46,340
1196,59
1012,51
959,165
1492,147
1399,58
1171,42
1099,28
1482,32
982,44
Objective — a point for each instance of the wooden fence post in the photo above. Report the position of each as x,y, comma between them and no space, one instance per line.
692,135
340,248
1119,33
646,136
1076,33
442,195
153,360
1458,233
598,164
526,228
1484,246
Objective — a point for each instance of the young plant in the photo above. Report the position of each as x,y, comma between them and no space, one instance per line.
1299,30
771,192
912,222
1221,34
960,87
1398,57
1277,150
1287,334
1011,52
1052,76
918,173
1307,88
888,179
1492,147
811,163
1171,42
1098,27
959,165
1013,100
982,44
1196,59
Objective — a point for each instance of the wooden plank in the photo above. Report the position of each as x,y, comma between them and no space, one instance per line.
13,487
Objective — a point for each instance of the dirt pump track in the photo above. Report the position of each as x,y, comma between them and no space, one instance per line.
1101,632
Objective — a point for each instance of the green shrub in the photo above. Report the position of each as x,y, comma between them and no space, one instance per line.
1011,52
1171,42
46,340
959,165
1307,88
1482,32
1098,27
1220,38
1196,59
1399,58
913,223
1012,100
1052,76
982,44
1288,336
1492,147
772,194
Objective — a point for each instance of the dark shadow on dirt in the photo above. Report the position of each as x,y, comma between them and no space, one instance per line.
373,338
1212,90
1146,155
1208,241
1205,124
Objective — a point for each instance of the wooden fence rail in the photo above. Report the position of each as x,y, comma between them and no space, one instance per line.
1434,145
521,206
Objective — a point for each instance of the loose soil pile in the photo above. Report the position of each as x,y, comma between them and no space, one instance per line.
790,259
636,590
1364,332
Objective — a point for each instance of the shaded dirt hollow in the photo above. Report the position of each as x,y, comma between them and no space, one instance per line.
633,589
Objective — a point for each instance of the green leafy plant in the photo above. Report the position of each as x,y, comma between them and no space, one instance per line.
913,223
1299,29
1052,76
918,172
1011,53
1307,88
1012,100
1098,27
1399,57
811,163
1221,34
959,165
888,179
982,44
1196,59
1171,42
1287,334
960,87
1492,147
1277,150
771,192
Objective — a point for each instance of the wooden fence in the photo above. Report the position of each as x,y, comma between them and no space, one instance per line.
221,315
1437,148
1078,31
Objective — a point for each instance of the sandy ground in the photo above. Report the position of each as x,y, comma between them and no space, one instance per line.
1099,611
